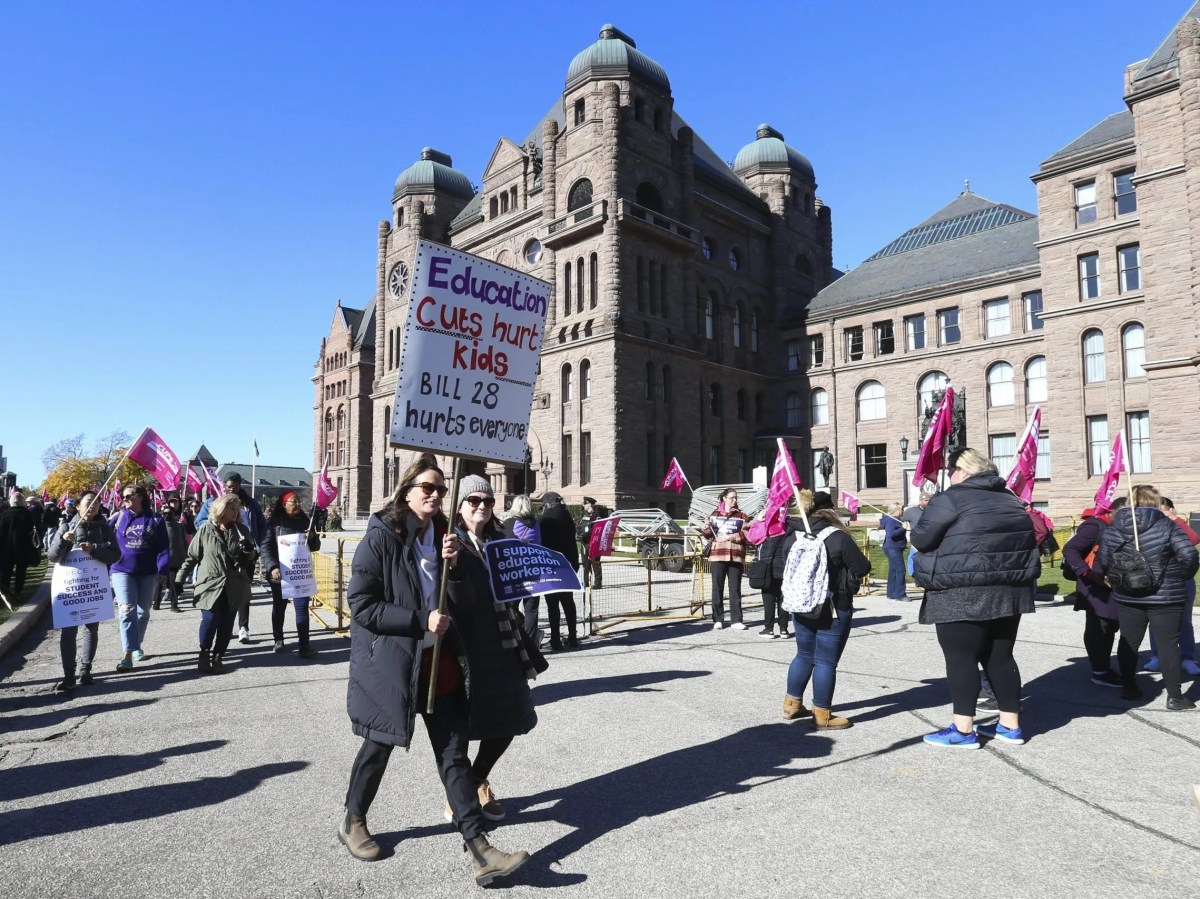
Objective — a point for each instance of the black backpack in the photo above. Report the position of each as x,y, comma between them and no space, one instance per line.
1131,573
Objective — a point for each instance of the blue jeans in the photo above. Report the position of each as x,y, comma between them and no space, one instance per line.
817,654
895,581
135,595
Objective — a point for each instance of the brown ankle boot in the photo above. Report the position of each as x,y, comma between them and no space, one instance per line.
354,836
823,718
488,862
793,708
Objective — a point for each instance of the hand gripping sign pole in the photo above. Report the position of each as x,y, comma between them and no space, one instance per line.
468,364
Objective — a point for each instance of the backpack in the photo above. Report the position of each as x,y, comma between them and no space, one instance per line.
806,573
1131,573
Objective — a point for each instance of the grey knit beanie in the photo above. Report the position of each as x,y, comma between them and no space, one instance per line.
474,484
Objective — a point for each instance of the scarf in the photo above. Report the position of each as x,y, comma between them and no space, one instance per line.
506,618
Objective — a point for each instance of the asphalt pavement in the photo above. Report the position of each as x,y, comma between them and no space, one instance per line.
660,767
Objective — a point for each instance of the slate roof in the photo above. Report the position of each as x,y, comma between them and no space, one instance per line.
1117,127
1167,54
273,475
364,337
969,238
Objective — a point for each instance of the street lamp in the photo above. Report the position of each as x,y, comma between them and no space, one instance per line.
904,448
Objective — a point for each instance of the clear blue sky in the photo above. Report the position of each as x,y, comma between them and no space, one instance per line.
187,190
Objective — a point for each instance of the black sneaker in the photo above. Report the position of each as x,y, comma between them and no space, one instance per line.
1179,704
1108,678
307,652
279,647
768,632
987,704
63,686
1132,692
85,678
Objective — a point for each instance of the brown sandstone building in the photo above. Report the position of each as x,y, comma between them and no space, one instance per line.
696,312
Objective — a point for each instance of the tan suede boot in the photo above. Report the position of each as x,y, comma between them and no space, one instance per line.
488,862
824,719
354,836
793,708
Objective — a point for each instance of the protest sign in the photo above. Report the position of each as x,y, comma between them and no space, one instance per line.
604,532
519,570
80,592
296,576
725,527
469,356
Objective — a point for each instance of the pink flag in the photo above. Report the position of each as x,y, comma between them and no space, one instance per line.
933,451
604,532
326,492
1020,479
785,480
675,478
215,487
193,483
152,453
849,501
1116,464
45,495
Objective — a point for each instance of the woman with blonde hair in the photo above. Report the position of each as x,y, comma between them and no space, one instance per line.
895,540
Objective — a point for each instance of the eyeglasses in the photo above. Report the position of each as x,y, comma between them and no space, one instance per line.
475,501
430,489
128,496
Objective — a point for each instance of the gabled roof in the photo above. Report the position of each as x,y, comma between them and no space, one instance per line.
273,475
203,455
1167,54
967,239
364,338
1117,127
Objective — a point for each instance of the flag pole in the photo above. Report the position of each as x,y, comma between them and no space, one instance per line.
117,467
254,465
1137,542
437,640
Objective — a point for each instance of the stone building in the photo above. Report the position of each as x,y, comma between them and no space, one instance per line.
675,279
1090,310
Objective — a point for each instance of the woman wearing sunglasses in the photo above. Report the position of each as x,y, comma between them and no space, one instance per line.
394,593
502,664
145,563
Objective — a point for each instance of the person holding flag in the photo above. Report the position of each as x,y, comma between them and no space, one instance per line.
145,563
726,529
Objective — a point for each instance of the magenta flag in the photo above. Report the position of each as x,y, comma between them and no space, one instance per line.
152,453
785,480
1116,464
600,542
193,483
45,495
215,487
1020,479
849,501
675,478
326,491
933,451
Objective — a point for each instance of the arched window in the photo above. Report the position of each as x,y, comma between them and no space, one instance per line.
504,202
927,387
648,196
1093,357
714,399
735,260
567,386
328,423
585,379
567,289
1035,380
737,325
741,405
1000,385
649,380
579,274
1133,345
820,406
580,195
666,381
706,248
593,280
710,317
754,331
794,407
871,404
341,418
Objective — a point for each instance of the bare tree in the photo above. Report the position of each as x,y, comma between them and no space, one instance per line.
109,450
65,449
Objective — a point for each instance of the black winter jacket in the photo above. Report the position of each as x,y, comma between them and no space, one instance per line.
558,532
1165,546
1090,586
846,563
977,553
501,702
282,525
388,623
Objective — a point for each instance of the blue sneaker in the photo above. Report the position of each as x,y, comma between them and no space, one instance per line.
953,738
999,732
1151,664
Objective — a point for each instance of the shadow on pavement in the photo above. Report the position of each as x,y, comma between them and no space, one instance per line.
642,682
1060,696
59,710
140,804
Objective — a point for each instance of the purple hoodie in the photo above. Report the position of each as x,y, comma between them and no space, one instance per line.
144,541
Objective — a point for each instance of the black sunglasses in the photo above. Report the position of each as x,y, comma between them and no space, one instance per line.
128,495
474,501
430,489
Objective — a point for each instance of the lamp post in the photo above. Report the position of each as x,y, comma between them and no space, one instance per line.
904,449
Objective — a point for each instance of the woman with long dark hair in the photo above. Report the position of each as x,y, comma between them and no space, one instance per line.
726,529
394,595
288,522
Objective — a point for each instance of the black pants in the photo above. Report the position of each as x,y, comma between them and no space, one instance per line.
1099,634
773,611
66,644
1164,622
7,565
593,571
732,571
447,729
530,612
567,603
489,753
968,644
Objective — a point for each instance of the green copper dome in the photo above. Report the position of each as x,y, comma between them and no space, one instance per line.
615,55
431,174
770,154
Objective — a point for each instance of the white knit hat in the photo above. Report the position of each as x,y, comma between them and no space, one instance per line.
474,484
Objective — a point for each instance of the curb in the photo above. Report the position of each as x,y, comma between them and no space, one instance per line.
23,619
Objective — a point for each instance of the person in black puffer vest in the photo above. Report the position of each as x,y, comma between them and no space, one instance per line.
978,562
1174,562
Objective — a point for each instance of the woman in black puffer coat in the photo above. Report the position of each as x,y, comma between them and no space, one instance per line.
978,562
1173,562
289,522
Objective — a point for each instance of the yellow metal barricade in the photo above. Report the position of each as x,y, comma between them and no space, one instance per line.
332,570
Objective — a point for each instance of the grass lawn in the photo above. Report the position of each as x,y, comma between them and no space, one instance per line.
33,580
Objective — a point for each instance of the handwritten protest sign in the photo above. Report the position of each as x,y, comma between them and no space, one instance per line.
604,532
80,591
469,356
519,570
296,576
